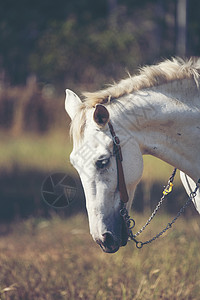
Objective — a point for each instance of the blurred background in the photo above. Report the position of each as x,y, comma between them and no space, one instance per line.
47,46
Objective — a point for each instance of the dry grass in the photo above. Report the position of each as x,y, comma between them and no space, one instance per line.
57,259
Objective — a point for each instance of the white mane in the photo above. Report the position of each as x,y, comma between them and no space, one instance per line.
168,70
149,76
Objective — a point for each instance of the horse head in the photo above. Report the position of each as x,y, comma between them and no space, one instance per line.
93,158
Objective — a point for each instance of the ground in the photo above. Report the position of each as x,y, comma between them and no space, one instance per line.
57,259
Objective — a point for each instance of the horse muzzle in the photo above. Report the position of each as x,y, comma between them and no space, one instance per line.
109,243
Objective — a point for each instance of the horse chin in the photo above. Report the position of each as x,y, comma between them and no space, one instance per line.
109,247
109,250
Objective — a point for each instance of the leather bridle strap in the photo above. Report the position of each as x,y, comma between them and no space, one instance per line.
120,173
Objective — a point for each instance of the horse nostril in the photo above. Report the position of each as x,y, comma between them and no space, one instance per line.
108,240
108,243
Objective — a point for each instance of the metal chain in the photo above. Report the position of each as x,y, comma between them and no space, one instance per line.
130,223
166,191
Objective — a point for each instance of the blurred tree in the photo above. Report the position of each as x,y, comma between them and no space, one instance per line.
181,27
88,41
193,34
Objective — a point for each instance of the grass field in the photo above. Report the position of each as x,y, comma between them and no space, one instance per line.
58,259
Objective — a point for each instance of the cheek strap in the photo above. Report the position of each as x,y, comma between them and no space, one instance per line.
120,172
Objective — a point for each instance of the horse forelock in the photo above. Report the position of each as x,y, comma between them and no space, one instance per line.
149,76
78,124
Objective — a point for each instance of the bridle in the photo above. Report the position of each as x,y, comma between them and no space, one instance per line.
120,173
130,223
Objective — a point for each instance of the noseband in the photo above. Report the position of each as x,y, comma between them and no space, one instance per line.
120,173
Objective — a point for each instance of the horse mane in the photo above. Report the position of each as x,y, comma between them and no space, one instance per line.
148,76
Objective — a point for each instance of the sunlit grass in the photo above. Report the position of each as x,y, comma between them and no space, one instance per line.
58,259
42,152
157,170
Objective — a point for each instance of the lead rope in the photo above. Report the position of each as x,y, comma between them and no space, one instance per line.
130,223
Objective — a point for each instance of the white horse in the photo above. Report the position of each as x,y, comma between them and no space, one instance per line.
156,112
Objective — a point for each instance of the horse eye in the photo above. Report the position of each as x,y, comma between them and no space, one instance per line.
102,163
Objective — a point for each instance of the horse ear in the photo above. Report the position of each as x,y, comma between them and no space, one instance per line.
101,115
72,103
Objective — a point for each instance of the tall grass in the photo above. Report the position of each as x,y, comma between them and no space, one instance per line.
57,259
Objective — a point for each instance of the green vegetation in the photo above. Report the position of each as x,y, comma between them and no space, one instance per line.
58,259
88,42
30,151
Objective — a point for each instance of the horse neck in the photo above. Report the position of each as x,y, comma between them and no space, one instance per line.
166,123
